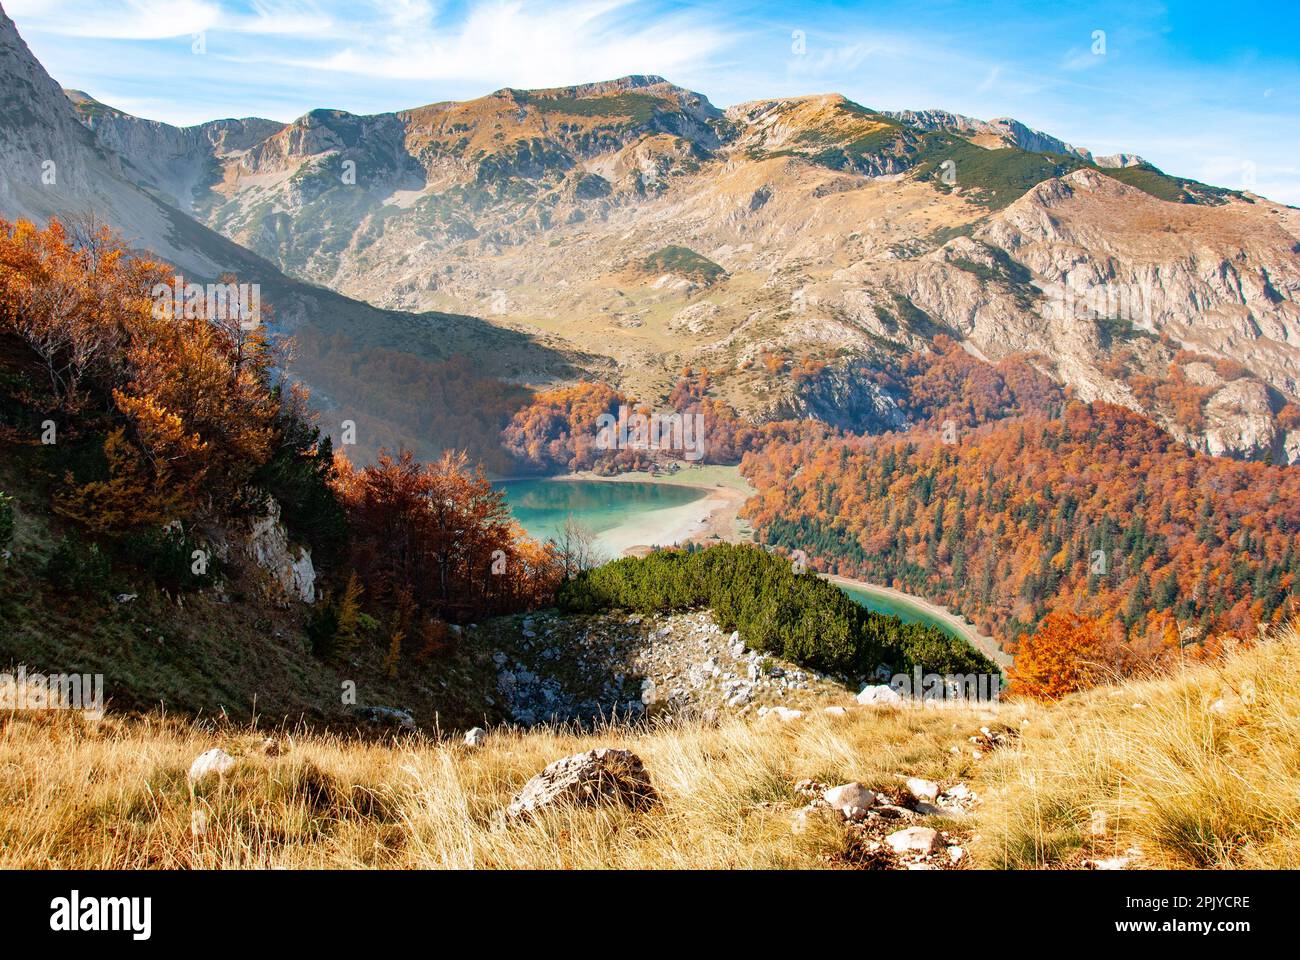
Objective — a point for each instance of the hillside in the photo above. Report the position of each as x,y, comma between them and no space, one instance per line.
1195,770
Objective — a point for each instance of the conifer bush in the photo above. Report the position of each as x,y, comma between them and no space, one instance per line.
799,617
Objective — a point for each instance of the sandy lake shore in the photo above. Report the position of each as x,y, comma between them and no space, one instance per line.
713,517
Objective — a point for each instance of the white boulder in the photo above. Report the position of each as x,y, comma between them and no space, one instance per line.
913,840
880,695
852,800
926,790
215,761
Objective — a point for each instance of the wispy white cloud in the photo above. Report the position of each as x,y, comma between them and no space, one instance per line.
522,44
162,19
990,79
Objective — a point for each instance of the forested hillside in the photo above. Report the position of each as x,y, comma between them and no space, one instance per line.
1097,511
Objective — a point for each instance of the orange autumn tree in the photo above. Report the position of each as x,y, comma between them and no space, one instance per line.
72,298
437,540
1066,654
559,430
185,405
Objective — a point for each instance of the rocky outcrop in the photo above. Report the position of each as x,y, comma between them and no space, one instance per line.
1239,421
843,395
1002,131
602,776
180,163
267,544
591,668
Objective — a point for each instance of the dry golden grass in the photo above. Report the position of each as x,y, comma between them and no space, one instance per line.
1178,781
1198,770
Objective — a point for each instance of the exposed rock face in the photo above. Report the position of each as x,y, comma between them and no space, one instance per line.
841,395
1002,131
605,775
1240,421
1120,160
290,568
181,163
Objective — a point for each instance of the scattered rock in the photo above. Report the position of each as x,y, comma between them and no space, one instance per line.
913,840
926,790
956,854
271,747
215,761
475,737
389,716
893,812
605,775
784,714
852,800
810,789
125,597
834,711
988,739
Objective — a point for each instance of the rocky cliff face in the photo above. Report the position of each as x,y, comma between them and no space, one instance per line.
179,164
999,132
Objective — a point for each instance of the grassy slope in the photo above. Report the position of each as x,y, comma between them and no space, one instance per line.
200,655
1181,784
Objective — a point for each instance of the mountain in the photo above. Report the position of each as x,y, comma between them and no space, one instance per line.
627,229
68,156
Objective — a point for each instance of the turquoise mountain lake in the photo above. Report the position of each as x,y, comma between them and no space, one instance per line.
541,506
896,607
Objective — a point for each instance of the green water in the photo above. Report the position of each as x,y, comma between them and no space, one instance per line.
884,603
541,506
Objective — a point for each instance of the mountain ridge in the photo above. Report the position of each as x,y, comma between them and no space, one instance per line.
836,232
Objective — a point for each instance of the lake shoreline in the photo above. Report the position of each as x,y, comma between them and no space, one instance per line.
716,518
984,644
663,528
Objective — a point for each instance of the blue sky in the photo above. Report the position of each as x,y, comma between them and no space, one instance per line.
1206,90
